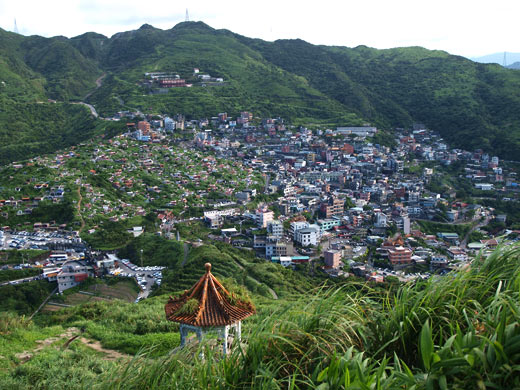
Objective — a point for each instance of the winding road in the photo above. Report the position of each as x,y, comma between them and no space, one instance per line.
464,242
99,83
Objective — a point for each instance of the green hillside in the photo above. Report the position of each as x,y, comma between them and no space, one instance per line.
472,105
456,332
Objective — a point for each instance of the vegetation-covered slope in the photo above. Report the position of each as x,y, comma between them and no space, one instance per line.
461,331
472,105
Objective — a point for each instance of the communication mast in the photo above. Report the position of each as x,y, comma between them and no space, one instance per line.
16,27
187,15
505,62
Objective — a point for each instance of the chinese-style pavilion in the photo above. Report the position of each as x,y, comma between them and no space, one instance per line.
208,306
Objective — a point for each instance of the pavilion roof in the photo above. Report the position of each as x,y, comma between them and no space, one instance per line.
216,306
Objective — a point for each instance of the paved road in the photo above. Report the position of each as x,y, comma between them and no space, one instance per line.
91,108
464,242
20,281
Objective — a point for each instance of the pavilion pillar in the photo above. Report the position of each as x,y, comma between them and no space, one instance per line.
224,345
184,333
239,331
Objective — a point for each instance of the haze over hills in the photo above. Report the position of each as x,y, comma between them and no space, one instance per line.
471,104
498,58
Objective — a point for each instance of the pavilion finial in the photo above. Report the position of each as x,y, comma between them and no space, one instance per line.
208,267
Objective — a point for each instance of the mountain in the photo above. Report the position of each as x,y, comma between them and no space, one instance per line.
515,65
497,58
472,105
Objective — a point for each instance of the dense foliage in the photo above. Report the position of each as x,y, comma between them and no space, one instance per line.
24,298
14,274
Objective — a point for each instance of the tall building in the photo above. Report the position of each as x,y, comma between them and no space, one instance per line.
144,126
275,228
332,258
169,124
333,207
307,236
381,220
264,216
399,255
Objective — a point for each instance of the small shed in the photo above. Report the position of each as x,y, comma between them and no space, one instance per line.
208,307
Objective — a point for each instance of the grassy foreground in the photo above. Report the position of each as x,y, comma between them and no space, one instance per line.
455,332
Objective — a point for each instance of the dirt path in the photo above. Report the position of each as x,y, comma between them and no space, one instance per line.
79,210
110,354
70,335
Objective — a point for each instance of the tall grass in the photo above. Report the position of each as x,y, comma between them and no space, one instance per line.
457,332
461,331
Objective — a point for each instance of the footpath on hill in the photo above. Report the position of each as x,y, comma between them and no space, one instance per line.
69,336
79,209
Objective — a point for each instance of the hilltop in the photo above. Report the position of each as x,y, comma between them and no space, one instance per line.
472,105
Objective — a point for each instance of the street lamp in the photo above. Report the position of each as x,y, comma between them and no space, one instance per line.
141,258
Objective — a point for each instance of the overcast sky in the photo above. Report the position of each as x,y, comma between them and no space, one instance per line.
464,27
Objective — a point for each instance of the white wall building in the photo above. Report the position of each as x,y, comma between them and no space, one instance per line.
72,274
275,228
263,216
307,236
381,220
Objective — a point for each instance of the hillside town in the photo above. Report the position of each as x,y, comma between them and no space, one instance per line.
354,201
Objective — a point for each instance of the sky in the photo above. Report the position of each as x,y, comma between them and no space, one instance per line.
468,28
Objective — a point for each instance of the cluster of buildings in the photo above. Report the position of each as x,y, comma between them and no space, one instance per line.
160,82
292,194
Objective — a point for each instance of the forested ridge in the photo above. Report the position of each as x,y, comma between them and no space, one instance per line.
472,105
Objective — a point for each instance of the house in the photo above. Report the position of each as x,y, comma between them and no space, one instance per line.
73,273
214,221
450,237
399,255
333,207
307,236
328,224
276,247
438,261
457,254
263,216
275,228
484,186
332,258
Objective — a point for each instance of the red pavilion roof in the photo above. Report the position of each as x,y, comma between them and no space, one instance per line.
214,304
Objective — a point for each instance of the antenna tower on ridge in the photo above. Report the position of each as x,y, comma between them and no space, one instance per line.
505,62
15,27
187,15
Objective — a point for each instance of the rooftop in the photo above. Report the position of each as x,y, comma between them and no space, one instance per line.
215,306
